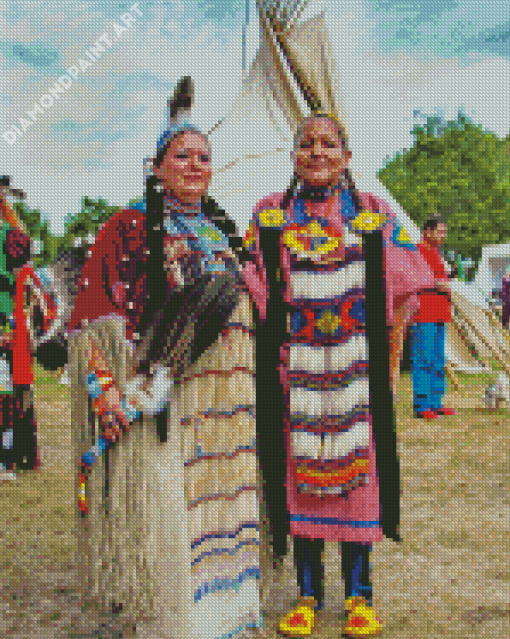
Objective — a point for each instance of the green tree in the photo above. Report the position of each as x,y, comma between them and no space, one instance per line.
38,230
459,171
93,214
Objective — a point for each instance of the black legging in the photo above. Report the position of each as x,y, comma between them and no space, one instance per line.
17,412
310,569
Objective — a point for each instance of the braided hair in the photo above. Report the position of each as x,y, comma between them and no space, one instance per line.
155,213
156,274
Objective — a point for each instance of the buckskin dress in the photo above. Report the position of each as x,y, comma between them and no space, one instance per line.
172,530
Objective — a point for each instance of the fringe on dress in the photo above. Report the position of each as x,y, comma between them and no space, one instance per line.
173,528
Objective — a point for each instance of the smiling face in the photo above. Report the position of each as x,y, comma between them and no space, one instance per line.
186,167
320,157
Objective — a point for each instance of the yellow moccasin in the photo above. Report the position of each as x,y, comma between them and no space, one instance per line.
362,621
300,621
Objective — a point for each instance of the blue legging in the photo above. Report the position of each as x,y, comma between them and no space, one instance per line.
427,365
310,569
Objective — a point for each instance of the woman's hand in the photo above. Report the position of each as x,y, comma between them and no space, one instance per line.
113,418
149,394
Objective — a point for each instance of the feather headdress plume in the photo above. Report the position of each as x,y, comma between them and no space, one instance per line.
7,213
179,108
182,100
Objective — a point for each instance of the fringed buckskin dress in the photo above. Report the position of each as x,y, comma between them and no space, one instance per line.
173,527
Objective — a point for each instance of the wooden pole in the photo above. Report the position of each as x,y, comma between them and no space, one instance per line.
452,376
496,321
487,344
277,37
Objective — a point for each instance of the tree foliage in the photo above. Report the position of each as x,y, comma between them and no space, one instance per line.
38,230
460,172
82,227
93,214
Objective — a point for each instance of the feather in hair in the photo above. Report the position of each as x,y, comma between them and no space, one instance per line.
179,108
181,102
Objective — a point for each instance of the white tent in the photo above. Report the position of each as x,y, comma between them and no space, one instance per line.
470,291
474,323
265,114
491,268
293,69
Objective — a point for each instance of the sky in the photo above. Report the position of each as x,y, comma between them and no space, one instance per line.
393,57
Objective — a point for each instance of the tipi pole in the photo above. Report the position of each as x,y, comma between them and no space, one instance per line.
462,332
276,36
487,344
450,373
245,35
496,322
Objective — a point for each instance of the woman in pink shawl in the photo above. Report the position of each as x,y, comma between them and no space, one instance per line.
330,271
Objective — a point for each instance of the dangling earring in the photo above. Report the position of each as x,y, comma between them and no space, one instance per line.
298,186
344,180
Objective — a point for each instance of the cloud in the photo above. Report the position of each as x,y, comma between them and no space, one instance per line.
495,40
442,27
38,55
93,140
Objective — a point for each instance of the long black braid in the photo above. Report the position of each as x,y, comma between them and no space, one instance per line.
155,274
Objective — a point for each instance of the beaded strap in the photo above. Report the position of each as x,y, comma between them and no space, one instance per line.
98,382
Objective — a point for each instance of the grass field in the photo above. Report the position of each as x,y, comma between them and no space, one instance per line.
449,578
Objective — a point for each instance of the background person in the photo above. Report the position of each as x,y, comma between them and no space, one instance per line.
504,296
429,328
24,316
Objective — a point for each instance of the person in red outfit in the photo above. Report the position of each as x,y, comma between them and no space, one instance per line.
428,330
23,316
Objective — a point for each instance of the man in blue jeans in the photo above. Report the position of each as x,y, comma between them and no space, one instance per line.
428,330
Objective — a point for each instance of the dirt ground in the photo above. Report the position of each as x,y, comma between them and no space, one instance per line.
449,578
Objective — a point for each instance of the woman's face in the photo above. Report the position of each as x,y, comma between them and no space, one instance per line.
320,158
186,167
436,236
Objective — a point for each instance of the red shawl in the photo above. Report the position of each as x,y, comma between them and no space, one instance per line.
120,245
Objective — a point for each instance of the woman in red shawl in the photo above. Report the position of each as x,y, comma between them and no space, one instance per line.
169,511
